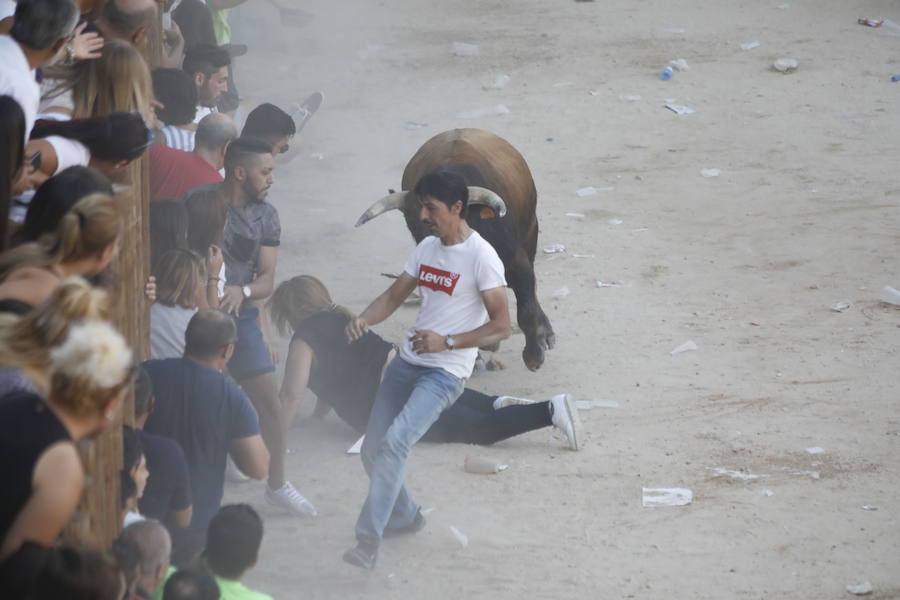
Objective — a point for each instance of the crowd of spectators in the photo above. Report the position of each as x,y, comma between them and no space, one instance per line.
93,98
91,105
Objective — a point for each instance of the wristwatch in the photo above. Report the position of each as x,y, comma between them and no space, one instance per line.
246,290
450,342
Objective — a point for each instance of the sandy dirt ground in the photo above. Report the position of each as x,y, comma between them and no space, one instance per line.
803,215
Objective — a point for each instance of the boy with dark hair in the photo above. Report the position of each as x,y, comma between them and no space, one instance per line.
208,67
270,124
276,127
232,548
191,584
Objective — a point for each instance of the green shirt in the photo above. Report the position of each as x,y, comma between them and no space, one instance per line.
235,590
221,26
158,592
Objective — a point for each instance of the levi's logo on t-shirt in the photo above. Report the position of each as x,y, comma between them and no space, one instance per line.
438,280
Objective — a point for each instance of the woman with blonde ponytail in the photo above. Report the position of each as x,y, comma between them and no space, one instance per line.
346,375
86,241
26,342
39,465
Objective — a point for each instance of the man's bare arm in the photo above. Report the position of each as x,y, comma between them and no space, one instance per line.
383,306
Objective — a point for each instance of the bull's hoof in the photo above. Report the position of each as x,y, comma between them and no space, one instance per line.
494,364
533,357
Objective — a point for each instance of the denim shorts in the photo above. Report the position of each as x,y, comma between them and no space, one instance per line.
251,356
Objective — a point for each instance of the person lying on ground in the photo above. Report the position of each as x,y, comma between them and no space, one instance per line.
346,375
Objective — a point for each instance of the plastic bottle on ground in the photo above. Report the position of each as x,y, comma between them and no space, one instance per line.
666,74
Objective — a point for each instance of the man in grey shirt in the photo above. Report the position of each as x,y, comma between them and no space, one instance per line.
250,250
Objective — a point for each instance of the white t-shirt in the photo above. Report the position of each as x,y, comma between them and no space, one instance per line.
168,325
17,80
451,279
202,111
69,153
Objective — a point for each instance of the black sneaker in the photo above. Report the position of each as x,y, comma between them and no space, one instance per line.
362,556
417,525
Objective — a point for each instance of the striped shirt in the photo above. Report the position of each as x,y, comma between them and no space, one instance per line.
178,138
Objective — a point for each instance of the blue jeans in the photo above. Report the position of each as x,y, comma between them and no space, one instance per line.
408,401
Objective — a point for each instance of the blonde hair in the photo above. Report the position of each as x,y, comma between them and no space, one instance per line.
26,342
93,224
90,368
117,81
299,298
178,275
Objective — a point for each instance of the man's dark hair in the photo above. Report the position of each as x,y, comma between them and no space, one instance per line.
206,59
244,150
143,392
233,540
193,583
207,333
214,131
127,489
176,91
39,24
269,123
131,449
55,197
124,23
445,186
76,574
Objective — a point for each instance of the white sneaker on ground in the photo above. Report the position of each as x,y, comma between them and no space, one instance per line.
288,498
233,474
565,417
303,112
504,401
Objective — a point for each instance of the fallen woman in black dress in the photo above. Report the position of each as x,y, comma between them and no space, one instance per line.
346,375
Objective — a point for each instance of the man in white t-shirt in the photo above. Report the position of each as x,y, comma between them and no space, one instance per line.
40,29
464,306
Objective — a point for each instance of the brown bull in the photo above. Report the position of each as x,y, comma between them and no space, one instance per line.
502,198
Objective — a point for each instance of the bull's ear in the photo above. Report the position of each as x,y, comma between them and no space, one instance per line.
486,212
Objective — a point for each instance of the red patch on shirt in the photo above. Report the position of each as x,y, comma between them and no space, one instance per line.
438,280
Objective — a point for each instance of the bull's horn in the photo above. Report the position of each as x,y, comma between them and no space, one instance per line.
480,195
392,201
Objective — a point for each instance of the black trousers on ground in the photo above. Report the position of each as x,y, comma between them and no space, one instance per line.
473,420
